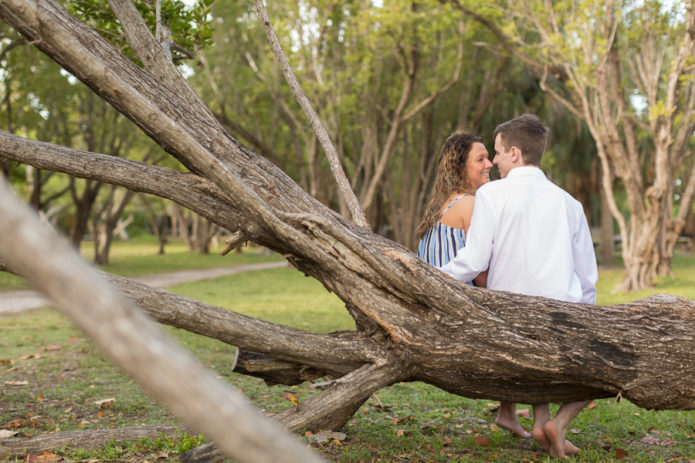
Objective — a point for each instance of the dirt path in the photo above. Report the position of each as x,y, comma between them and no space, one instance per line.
19,301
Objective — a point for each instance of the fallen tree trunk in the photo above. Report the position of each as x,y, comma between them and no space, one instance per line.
88,440
412,322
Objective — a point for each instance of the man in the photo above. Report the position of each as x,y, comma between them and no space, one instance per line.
534,239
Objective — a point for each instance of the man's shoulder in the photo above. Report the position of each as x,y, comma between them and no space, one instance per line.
492,186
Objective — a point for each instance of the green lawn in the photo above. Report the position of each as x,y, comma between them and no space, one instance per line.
52,376
139,257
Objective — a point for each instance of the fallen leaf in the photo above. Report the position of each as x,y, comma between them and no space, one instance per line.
620,454
4,433
16,383
325,436
591,405
482,441
54,347
6,362
400,433
105,403
604,445
14,424
43,458
292,398
650,440
29,356
575,431
524,412
447,440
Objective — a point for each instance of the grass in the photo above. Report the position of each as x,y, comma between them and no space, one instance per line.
139,257
681,284
52,377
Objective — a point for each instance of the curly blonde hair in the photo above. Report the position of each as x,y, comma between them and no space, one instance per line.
451,176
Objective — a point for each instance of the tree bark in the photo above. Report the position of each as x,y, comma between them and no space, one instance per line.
412,322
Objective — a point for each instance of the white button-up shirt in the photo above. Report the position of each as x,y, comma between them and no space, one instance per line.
534,238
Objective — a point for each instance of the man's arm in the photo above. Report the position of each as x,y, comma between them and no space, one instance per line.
474,258
585,259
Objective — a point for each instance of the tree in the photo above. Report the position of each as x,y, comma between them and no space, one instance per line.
387,123
412,323
629,78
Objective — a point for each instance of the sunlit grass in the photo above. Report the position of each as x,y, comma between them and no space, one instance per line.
139,257
681,284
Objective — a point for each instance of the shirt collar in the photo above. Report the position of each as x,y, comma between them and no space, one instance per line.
526,171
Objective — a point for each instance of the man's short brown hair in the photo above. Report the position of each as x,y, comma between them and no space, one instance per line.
528,133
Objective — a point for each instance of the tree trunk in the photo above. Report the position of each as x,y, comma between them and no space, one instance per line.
158,224
437,330
607,239
84,204
413,323
104,229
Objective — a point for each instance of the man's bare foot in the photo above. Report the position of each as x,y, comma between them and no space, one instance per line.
570,448
556,435
512,426
506,419
539,436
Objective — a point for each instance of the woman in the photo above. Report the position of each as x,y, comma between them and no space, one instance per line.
463,167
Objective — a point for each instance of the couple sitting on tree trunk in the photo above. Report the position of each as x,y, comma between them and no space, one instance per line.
521,234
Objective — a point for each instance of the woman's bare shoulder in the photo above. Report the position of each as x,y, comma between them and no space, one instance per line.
459,214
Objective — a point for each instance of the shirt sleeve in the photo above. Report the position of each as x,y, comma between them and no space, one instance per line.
474,258
585,260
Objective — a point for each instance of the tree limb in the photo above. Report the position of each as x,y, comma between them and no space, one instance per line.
346,192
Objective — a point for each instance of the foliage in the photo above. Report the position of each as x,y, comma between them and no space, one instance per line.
191,28
355,61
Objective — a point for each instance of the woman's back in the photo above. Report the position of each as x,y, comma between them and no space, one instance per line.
441,243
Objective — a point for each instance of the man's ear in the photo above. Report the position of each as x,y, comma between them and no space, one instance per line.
516,154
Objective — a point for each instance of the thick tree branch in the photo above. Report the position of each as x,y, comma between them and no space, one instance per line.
470,325
332,408
334,353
